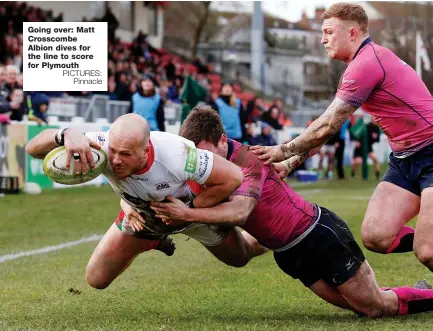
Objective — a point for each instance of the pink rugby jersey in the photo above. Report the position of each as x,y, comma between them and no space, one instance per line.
281,215
392,93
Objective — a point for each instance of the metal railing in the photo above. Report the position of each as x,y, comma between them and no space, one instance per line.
100,107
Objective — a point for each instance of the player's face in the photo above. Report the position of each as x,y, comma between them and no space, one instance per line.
336,38
126,157
220,149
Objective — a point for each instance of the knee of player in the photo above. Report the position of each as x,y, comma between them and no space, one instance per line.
96,281
238,262
371,312
374,240
424,253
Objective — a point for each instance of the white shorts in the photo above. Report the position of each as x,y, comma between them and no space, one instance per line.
328,149
206,234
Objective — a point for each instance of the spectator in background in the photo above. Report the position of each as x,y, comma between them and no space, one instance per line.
373,136
12,108
16,102
3,88
173,90
266,137
147,103
112,23
255,109
230,109
278,102
111,88
38,103
272,117
20,80
122,87
328,150
11,78
170,70
339,152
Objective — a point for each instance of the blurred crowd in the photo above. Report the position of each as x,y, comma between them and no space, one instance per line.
148,77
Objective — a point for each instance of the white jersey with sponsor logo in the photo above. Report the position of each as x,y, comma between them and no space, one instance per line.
172,162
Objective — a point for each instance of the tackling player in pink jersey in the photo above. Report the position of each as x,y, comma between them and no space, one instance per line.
144,166
399,102
310,243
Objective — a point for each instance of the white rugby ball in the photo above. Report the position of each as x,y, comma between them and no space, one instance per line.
55,167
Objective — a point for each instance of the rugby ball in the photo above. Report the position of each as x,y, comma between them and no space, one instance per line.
55,167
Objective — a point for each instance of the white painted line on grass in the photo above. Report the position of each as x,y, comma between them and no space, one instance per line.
48,249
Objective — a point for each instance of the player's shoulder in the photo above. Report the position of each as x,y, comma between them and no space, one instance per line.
372,54
243,156
169,148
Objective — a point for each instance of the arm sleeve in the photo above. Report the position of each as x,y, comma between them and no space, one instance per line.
194,164
255,174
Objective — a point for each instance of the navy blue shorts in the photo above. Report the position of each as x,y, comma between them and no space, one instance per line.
414,173
328,252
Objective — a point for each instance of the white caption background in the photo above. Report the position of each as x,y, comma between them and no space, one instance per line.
60,74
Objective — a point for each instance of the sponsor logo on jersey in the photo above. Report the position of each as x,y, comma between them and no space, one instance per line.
101,139
162,186
204,163
191,160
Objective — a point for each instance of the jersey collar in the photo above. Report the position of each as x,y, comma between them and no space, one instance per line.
230,149
150,159
365,42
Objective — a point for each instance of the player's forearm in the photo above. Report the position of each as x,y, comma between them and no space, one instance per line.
42,144
228,213
214,195
321,130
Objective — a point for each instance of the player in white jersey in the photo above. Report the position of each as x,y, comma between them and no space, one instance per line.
142,167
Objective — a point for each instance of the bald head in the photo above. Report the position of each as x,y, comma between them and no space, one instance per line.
131,128
128,147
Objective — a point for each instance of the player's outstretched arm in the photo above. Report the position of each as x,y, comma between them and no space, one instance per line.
224,179
42,144
319,132
75,143
232,213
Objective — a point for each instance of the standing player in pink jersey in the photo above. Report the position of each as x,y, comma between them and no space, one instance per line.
310,243
399,102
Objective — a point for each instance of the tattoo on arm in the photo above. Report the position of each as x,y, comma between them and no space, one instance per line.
321,130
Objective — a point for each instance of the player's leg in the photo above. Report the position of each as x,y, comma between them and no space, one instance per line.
331,162
330,294
394,202
112,256
363,294
229,245
373,157
423,245
117,249
236,250
356,161
343,266
303,262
